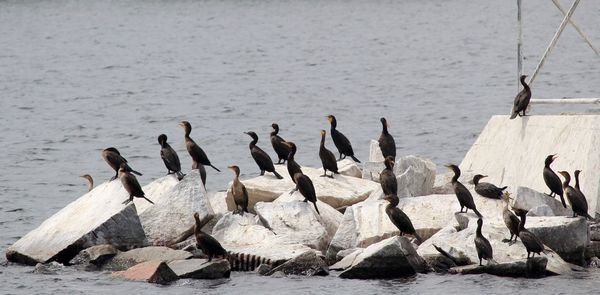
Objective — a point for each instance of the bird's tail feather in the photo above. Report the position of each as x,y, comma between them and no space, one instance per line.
277,175
317,209
355,159
148,200
477,212
514,115
211,165
136,173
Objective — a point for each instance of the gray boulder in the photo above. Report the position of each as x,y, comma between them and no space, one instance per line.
96,218
566,236
305,264
530,268
529,199
391,258
95,255
125,260
201,268
174,209
415,176
51,268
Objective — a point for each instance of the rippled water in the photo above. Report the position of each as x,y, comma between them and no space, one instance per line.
79,76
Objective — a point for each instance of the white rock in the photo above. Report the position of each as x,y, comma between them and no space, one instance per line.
330,218
218,202
532,138
349,168
541,210
173,212
371,170
337,192
96,218
415,176
156,190
201,268
125,260
245,234
528,199
375,154
347,261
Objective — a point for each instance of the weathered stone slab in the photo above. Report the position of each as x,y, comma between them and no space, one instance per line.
528,199
371,170
156,190
415,176
174,209
96,218
347,260
201,268
391,258
566,236
349,168
156,272
375,154
125,260
529,268
95,255
306,264
533,138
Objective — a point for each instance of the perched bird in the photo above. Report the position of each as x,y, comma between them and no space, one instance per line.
199,158
399,218
306,188
292,166
209,245
577,180
387,178
279,145
131,185
521,100
112,156
261,158
169,157
327,158
239,192
486,189
462,193
552,180
90,181
510,219
578,202
387,144
531,242
483,246
341,142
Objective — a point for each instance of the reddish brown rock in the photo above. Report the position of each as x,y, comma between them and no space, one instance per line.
156,272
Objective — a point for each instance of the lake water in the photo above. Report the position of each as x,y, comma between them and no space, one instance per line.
80,76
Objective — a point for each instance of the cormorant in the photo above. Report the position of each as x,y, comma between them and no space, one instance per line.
399,218
577,180
292,166
386,141
112,156
552,180
131,185
306,188
531,242
239,192
197,154
483,246
169,157
578,202
462,193
486,189
261,158
327,158
521,100
209,245
510,219
279,145
341,142
387,178
90,181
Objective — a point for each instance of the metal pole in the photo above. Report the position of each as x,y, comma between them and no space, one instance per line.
583,35
519,47
554,39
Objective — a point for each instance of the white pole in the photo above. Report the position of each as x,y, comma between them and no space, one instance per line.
519,46
583,35
554,39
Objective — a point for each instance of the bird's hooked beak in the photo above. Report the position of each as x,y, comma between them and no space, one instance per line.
329,119
554,157
483,176
181,125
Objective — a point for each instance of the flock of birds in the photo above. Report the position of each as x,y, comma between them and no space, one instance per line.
286,150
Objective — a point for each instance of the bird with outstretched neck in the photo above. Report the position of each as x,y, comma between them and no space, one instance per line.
327,158
577,200
465,199
552,180
341,142
521,100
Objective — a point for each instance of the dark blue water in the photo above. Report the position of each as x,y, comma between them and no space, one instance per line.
79,76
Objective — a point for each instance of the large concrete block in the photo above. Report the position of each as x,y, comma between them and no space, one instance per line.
513,151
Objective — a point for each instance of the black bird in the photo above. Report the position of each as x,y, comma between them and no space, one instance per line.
90,181
292,166
462,193
341,142
131,185
327,158
169,157
483,246
552,180
239,192
112,156
510,219
198,155
577,180
279,145
261,158
578,202
486,189
531,242
399,218
306,188
209,245
521,100
387,178
387,144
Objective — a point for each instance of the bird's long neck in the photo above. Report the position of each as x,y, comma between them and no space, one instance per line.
479,225
90,184
456,176
522,223
385,130
393,202
475,181
524,84
567,180
188,130
333,124
253,142
323,141
275,131
291,154
198,228
577,181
